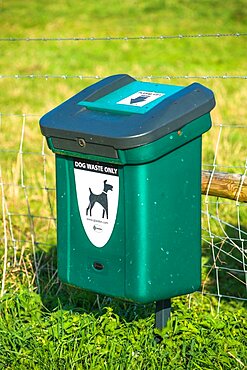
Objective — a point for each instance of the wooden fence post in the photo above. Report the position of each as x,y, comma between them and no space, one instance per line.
225,185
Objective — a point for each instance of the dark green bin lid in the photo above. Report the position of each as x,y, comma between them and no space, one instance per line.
123,113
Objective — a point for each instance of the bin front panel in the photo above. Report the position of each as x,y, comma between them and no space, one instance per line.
154,250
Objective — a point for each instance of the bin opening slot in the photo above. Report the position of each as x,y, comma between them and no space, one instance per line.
98,266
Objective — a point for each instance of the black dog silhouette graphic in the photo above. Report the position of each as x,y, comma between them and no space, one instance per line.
100,198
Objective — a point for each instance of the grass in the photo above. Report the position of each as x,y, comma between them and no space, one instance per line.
118,336
44,324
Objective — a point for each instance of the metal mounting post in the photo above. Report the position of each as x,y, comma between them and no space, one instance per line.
162,314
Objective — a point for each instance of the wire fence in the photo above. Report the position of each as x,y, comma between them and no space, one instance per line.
227,241
28,194
30,229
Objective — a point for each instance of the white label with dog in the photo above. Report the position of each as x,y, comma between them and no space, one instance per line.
97,189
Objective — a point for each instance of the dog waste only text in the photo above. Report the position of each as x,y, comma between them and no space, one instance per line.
96,167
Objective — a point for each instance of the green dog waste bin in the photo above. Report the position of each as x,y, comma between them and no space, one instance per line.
128,180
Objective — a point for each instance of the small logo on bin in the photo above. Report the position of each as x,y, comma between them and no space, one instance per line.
97,229
99,198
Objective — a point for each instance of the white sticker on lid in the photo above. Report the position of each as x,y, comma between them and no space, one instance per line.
140,98
97,189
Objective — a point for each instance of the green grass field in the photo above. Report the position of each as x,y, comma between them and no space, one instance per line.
44,324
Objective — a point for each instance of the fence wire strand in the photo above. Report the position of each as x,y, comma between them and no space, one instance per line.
125,38
96,77
5,237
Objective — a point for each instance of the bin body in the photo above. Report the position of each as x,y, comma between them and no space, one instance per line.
129,227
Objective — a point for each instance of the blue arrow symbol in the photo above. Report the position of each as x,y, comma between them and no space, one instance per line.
138,99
